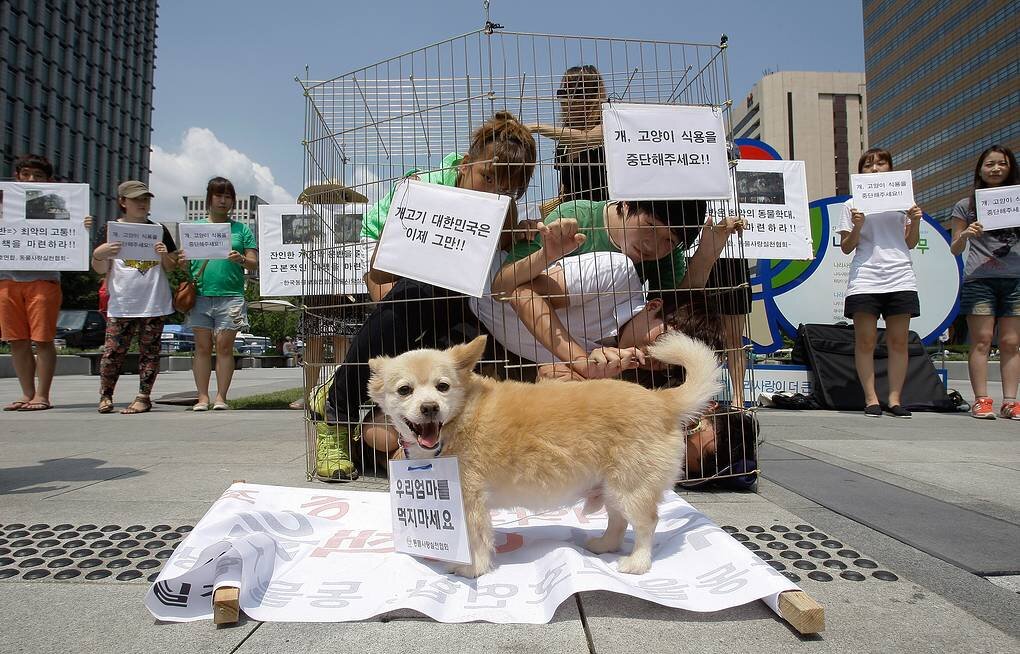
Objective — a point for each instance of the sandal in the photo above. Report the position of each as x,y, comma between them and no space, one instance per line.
105,405
15,405
36,406
139,399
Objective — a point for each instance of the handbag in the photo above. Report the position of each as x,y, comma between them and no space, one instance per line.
187,291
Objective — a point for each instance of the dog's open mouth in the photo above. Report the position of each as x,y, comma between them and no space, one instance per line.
427,433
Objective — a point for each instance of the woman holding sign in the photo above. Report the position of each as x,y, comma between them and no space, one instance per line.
220,308
139,300
881,283
990,297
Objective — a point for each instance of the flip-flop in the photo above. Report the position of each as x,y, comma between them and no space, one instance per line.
200,407
220,406
15,405
36,406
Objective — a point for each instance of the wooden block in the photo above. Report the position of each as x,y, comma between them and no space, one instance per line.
225,605
805,614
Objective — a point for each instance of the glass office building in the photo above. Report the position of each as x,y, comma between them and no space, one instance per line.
943,84
77,88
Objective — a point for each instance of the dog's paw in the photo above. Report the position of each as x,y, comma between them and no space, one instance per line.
602,545
468,571
634,564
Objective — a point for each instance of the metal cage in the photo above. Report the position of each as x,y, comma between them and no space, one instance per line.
367,129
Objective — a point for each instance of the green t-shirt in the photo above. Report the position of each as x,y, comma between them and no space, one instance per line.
664,274
375,218
223,277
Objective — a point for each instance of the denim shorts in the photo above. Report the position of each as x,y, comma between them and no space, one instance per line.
219,313
991,297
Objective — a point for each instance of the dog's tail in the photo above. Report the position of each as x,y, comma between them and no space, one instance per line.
702,382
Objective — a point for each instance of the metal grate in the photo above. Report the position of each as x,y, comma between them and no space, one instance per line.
86,552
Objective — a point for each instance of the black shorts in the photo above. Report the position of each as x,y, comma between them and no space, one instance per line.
895,303
729,288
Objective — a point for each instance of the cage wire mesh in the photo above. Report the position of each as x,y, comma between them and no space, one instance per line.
418,112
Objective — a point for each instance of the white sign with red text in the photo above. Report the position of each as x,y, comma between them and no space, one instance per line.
42,226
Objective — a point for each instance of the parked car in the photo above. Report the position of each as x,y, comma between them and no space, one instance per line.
81,328
251,345
177,338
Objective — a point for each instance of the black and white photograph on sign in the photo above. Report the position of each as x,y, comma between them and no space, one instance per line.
347,227
760,188
1,204
298,228
46,205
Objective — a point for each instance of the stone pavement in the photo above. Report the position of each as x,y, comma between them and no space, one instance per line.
912,527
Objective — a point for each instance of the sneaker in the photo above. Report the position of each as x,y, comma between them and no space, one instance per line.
899,412
332,454
1010,410
983,408
873,411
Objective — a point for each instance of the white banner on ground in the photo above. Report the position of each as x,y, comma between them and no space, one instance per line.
442,235
293,237
320,555
428,509
998,208
665,152
774,207
204,240
42,226
878,192
137,240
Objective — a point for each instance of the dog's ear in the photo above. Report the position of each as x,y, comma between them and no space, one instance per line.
375,365
466,356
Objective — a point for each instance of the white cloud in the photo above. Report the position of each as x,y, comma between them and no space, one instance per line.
200,157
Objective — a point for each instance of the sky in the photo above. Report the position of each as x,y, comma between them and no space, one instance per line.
226,101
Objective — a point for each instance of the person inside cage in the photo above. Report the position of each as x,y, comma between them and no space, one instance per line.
410,314
652,234
580,156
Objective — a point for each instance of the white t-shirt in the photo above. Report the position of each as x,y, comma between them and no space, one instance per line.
138,289
881,261
604,292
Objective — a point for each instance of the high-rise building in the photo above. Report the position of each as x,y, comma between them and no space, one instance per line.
943,84
817,118
245,209
76,86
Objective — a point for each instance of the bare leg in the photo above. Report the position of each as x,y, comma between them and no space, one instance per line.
865,337
736,357
981,329
24,367
224,363
45,367
315,350
897,330
201,365
1009,355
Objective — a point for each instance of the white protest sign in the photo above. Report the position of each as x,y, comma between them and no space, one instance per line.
137,240
442,235
42,226
428,510
998,208
325,555
878,192
205,240
665,152
312,251
773,204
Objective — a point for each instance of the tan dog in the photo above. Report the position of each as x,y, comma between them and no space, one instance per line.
546,445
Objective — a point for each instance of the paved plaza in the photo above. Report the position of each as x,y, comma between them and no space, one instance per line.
919,520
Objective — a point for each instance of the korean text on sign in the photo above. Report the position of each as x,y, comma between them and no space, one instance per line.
998,208
878,192
428,511
205,240
665,152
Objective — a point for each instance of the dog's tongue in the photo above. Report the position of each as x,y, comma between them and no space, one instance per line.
429,435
